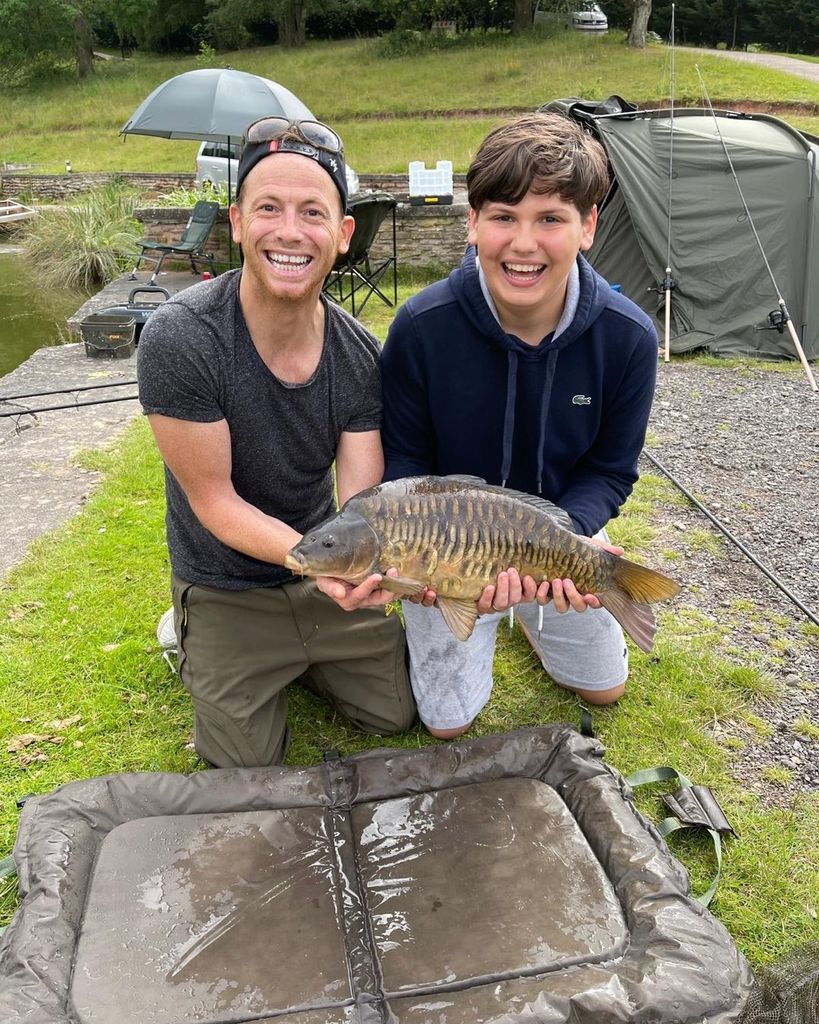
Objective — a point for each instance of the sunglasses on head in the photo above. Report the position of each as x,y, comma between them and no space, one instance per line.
313,132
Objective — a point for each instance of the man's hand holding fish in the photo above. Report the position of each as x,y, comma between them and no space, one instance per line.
350,596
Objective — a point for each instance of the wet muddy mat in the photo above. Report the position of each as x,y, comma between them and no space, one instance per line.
508,878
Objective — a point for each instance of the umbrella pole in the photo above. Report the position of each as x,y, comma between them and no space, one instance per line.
230,232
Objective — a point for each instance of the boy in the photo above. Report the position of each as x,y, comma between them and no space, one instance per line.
524,368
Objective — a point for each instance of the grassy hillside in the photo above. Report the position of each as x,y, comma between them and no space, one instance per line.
388,110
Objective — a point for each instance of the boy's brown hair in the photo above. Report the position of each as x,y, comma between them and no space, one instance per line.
543,152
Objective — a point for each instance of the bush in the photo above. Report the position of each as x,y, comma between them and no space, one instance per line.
407,42
87,243
182,196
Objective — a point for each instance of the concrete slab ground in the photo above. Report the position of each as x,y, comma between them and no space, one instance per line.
41,484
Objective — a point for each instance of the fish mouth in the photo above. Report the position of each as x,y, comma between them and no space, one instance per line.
294,562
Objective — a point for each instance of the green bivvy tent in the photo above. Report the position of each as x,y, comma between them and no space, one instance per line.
674,191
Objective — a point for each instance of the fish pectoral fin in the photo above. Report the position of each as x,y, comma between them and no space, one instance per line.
459,615
403,586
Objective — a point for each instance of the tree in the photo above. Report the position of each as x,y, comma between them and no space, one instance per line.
32,30
639,23
292,19
523,16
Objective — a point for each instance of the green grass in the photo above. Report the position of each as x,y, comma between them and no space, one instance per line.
384,108
81,671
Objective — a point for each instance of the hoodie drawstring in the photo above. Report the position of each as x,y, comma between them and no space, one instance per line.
509,414
551,363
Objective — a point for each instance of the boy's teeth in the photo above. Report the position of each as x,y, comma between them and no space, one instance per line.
520,268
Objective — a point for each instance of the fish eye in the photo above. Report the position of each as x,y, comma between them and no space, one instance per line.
329,541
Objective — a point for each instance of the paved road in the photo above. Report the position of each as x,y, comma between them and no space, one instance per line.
800,68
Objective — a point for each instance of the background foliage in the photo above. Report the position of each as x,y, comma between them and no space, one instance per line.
40,35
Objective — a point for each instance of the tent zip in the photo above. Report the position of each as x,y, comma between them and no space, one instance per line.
785,317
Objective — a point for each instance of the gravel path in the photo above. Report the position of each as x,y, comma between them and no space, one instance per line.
790,65
745,443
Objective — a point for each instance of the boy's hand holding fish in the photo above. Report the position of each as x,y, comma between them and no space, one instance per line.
510,589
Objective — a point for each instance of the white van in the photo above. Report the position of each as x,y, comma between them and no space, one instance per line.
581,15
212,166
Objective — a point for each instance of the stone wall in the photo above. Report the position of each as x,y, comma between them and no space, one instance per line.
59,186
429,237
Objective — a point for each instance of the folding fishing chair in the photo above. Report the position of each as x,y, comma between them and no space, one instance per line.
357,270
190,244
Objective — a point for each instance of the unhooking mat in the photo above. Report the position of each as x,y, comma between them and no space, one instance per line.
506,879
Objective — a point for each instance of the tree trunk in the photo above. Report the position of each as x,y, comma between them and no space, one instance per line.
83,45
293,23
523,17
639,23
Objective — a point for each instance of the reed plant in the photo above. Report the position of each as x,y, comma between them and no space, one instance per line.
86,242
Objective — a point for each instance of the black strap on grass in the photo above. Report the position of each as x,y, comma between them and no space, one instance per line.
692,807
8,867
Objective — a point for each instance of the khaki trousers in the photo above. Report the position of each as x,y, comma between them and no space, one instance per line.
238,651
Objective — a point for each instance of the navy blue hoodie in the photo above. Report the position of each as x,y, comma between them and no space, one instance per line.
565,418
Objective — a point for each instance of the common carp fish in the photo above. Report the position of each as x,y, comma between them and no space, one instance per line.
454,534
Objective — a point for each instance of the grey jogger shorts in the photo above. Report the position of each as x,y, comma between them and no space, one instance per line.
452,679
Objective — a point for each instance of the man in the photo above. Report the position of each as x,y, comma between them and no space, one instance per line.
526,369
254,385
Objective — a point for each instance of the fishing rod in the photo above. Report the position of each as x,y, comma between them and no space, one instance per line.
69,405
784,317
669,284
734,540
66,391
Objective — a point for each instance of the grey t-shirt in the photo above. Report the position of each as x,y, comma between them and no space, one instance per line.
196,361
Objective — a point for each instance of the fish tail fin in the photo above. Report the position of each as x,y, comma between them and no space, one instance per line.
642,584
636,617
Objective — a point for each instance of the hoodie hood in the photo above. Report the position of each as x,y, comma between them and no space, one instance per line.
466,286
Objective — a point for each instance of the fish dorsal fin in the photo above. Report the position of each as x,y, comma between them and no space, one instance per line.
459,615
560,516
463,478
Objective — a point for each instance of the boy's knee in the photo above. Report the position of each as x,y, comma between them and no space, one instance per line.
601,697
449,734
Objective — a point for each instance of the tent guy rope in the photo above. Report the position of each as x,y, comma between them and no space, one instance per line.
786,317
669,284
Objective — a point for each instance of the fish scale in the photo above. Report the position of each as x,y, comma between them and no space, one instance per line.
453,535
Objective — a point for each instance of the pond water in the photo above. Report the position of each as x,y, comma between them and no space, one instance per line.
31,315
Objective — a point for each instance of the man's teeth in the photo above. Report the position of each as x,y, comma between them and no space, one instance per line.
523,268
276,257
